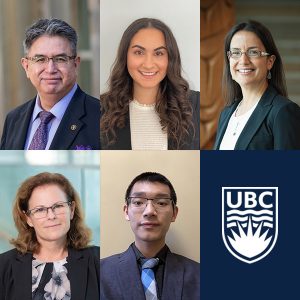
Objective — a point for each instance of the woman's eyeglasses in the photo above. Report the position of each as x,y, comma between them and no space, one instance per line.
251,53
57,208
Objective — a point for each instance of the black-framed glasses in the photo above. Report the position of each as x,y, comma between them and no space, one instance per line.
141,203
251,53
59,60
57,208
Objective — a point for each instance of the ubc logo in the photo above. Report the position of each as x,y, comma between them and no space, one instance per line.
249,221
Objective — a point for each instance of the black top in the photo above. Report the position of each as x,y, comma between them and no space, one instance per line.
273,125
83,273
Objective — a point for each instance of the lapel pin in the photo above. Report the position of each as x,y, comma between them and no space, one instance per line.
73,127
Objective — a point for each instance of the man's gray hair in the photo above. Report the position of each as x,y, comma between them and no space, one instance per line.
50,27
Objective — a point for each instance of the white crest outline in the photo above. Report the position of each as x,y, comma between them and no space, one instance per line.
276,222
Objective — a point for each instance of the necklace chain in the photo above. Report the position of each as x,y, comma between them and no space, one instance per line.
236,127
237,108
235,114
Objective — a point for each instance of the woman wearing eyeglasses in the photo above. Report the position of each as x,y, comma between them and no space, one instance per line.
51,259
148,105
258,116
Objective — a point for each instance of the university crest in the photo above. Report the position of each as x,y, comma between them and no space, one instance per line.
249,221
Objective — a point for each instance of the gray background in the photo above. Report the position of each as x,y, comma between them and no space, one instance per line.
183,18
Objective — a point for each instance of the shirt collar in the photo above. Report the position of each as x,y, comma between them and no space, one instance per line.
161,255
59,108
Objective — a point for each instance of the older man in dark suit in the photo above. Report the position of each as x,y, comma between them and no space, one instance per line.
148,269
61,116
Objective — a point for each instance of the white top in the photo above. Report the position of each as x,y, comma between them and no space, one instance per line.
235,127
145,128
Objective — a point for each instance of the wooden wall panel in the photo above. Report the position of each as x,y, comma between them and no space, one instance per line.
217,17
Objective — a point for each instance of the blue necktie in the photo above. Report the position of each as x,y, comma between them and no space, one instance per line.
148,278
40,137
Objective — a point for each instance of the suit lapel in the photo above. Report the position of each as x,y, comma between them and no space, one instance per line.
70,124
223,124
129,276
22,275
123,137
21,127
77,273
259,114
173,279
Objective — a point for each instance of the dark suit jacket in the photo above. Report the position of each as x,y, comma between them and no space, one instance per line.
124,138
83,273
273,125
83,111
120,278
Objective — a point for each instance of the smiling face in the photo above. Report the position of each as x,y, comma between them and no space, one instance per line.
150,225
51,81
249,72
52,227
147,59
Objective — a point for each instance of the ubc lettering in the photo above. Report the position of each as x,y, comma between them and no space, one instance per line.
229,201
261,199
250,199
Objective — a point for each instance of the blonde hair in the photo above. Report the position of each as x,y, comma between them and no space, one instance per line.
78,236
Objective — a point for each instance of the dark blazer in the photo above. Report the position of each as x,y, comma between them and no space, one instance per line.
83,273
123,141
83,112
273,125
120,278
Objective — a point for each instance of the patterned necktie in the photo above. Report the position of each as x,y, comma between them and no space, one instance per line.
40,138
148,278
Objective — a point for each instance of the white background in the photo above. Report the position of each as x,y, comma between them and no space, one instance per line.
182,16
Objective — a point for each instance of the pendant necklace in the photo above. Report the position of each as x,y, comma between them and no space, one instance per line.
236,127
238,122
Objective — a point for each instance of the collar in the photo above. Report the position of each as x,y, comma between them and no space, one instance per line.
58,109
161,255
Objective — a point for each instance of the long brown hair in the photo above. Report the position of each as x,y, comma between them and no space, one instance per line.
78,236
172,103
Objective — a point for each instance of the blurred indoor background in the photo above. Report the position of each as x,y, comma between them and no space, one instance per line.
282,17
82,168
16,16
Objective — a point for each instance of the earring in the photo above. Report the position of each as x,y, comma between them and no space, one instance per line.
269,76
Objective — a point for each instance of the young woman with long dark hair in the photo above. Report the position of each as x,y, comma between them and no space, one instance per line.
148,105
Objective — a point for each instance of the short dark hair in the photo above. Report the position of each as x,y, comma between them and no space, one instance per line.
231,89
51,27
152,177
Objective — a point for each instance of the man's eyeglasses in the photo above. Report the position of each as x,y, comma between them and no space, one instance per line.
142,202
58,60
251,53
57,208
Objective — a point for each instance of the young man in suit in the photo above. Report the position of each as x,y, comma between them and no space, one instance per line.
148,269
61,116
